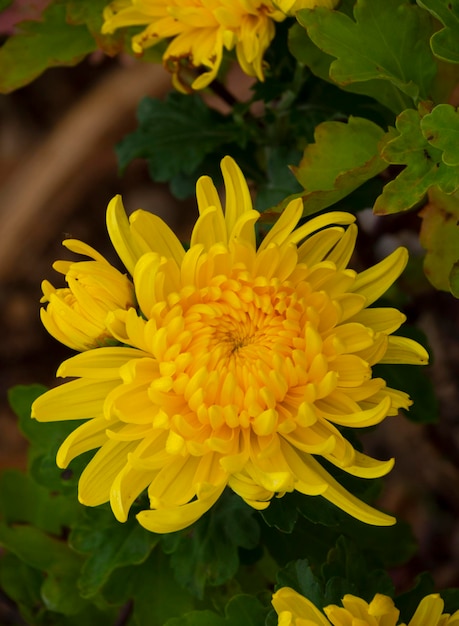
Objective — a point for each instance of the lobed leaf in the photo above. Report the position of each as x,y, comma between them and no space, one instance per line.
343,157
209,555
412,145
175,135
441,129
387,40
109,545
440,237
444,43
40,45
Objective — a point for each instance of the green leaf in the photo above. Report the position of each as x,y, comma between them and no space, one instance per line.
300,576
242,610
319,62
209,554
451,599
4,4
280,180
110,545
388,41
441,129
176,135
444,43
350,569
52,556
440,237
45,439
22,500
22,584
152,588
424,164
408,601
343,157
40,45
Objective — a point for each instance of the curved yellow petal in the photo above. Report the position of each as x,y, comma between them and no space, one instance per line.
376,280
175,518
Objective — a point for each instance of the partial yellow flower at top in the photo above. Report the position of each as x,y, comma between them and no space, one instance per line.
238,367
76,315
199,31
293,609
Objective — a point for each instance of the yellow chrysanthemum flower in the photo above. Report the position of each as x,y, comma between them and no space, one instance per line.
76,315
239,367
201,29
294,609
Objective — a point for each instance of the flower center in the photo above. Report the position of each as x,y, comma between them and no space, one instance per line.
235,352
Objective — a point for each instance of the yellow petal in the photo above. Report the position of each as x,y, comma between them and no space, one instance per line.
128,248
76,400
405,351
376,280
169,520
286,599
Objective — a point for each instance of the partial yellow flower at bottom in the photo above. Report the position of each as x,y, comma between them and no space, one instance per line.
199,31
293,609
76,315
239,366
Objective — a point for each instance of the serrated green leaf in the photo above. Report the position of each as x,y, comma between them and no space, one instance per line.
343,157
424,166
444,43
440,237
350,569
319,62
40,45
110,545
209,555
176,135
387,40
441,129
299,576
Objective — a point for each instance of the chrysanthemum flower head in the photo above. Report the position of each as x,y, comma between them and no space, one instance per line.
293,609
239,366
199,30
76,315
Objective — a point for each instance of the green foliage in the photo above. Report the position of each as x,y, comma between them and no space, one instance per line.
209,554
241,609
108,546
176,135
343,157
444,42
371,46
440,237
39,45
417,144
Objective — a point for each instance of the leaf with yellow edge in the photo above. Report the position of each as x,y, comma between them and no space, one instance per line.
440,237
444,43
343,157
386,40
418,143
39,45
